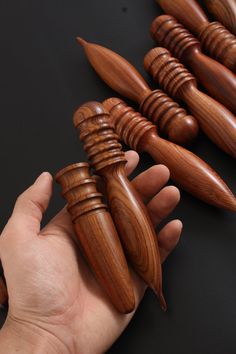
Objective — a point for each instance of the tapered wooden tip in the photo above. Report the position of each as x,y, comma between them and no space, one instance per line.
81,41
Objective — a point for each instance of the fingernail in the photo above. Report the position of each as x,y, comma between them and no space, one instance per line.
44,177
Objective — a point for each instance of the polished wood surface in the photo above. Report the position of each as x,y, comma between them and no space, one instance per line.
97,235
214,37
3,292
186,169
128,211
223,11
218,80
218,123
121,76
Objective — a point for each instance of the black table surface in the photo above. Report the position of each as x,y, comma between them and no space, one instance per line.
44,76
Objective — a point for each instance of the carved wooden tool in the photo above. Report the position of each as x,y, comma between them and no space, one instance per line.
186,169
122,77
3,292
97,235
130,215
218,123
217,79
215,38
224,11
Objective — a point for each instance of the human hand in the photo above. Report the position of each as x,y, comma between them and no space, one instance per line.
55,303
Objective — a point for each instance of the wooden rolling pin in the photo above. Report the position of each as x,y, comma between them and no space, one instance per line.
219,81
218,123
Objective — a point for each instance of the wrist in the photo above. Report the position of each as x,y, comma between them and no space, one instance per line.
26,338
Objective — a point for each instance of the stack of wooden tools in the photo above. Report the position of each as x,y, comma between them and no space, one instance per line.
105,239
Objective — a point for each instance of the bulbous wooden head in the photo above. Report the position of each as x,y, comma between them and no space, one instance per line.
97,133
79,189
129,125
168,33
168,71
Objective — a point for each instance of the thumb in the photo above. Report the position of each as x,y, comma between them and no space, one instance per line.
31,205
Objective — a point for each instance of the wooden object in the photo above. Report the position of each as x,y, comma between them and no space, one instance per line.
3,292
129,213
121,76
97,235
214,37
186,169
218,123
224,11
219,81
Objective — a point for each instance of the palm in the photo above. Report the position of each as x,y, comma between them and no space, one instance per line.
51,282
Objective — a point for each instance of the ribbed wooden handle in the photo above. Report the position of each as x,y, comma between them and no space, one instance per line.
132,221
219,81
216,121
219,43
97,235
186,169
215,38
121,76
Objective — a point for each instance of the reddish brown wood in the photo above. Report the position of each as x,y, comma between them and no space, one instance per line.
97,235
3,292
214,37
224,11
218,123
121,76
129,213
186,169
215,77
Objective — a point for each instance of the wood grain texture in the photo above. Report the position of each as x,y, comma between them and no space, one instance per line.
218,80
214,37
224,11
121,76
129,213
97,235
3,292
186,169
218,123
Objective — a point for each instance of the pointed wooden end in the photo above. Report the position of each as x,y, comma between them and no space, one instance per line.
232,207
81,41
162,302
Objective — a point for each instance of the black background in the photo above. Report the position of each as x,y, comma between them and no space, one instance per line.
44,76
